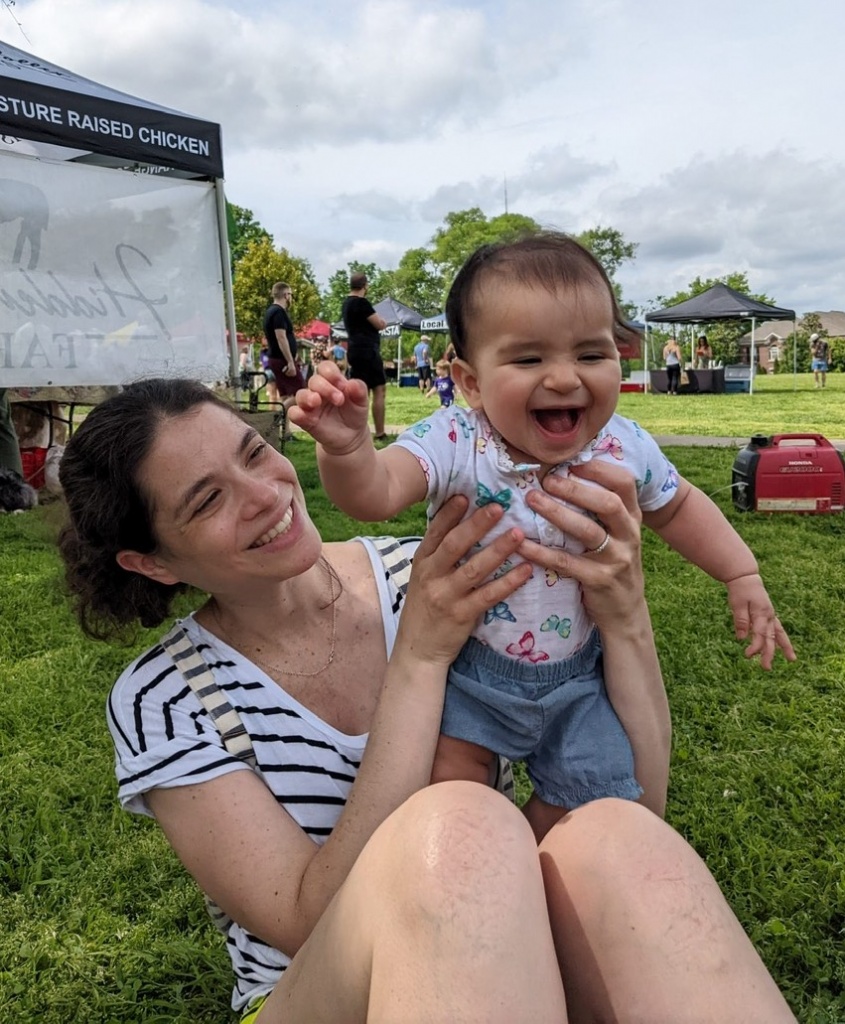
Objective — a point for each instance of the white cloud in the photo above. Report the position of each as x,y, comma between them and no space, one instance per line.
351,130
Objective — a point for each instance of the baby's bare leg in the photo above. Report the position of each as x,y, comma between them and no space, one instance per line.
455,760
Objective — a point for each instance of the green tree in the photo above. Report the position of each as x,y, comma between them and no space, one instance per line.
381,284
260,267
242,228
418,283
609,247
466,230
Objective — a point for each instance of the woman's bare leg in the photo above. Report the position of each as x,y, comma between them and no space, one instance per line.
442,919
643,933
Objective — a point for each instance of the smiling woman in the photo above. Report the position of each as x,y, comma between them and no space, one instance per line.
351,888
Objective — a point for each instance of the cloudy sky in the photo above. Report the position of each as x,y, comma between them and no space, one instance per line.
709,133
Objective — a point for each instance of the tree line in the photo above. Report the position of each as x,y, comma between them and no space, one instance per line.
424,275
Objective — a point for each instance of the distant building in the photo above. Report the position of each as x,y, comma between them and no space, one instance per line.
772,338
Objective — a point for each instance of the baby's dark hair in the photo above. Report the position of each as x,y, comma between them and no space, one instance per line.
548,259
108,511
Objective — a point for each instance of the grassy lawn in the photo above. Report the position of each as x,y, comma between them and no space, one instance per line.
98,923
779,405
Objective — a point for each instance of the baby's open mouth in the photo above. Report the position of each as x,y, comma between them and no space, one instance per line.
557,421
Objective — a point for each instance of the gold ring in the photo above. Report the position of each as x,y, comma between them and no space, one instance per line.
601,547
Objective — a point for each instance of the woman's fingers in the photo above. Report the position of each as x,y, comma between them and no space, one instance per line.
451,584
451,539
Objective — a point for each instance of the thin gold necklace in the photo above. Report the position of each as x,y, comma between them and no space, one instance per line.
273,669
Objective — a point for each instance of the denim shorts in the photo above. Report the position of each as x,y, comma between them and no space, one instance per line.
554,716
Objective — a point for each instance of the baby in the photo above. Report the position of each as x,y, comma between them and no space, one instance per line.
443,384
535,324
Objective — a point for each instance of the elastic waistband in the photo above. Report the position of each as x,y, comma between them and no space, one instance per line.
522,670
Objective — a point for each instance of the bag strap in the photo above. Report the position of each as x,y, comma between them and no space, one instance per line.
396,564
200,678
197,674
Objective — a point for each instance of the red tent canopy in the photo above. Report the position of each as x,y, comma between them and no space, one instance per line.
316,329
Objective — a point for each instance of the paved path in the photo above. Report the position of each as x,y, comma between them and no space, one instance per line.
675,440
695,440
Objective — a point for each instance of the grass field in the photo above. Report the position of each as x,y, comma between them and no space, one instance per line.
779,405
98,923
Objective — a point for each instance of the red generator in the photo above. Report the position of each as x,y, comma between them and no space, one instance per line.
789,473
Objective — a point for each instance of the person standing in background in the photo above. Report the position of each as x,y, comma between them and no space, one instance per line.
443,385
281,342
10,453
362,325
672,358
820,351
422,355
703,353
338,353
264,358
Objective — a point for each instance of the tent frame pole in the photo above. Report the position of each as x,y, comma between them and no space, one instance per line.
751,379
795,353
229,299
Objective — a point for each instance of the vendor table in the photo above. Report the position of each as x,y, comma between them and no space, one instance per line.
698,381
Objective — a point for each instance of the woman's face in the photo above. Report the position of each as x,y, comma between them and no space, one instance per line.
228,511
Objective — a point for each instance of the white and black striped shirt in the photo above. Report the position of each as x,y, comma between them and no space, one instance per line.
163,737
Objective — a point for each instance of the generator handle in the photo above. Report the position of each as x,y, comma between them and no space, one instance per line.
818,439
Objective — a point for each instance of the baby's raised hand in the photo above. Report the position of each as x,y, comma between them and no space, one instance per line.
754,615
332,409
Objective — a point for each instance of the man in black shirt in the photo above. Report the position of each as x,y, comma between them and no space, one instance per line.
281,342
362,325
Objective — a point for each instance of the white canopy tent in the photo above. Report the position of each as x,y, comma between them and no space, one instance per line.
113,248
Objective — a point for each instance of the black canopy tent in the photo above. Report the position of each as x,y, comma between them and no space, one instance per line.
399,318
723,303
52,117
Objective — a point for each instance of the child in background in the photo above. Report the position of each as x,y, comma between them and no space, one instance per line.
443,384
535,325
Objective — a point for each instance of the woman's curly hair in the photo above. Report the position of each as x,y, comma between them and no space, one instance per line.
108,511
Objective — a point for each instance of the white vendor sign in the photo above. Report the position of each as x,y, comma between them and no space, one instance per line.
113,253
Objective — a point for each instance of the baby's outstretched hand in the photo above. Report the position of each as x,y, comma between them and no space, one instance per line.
754,615
332,409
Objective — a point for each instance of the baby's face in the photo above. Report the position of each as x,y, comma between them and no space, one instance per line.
543,366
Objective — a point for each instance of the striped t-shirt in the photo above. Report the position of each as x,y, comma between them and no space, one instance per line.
163,738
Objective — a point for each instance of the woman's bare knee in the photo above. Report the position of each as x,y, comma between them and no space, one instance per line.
452,834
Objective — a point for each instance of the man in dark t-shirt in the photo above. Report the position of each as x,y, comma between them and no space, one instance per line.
362,325
281,342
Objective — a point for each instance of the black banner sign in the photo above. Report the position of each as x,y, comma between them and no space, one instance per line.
122,130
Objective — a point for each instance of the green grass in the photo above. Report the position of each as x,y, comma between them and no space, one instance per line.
98,923
779,405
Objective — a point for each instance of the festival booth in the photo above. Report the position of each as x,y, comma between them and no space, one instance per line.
717,304
399,318
113,248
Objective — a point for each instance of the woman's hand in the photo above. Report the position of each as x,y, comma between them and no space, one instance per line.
611,578
446,596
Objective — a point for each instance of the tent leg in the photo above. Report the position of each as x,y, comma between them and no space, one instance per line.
226,267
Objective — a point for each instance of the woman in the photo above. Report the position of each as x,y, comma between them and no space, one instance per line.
362,893
672,358
703,353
